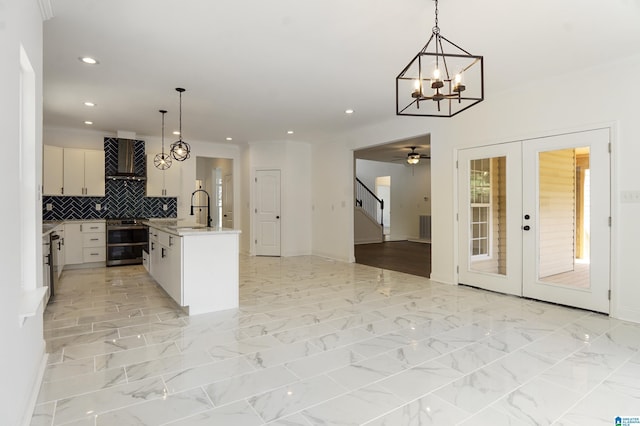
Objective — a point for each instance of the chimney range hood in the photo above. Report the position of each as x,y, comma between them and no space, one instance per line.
126,162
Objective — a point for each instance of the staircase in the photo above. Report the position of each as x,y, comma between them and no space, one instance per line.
367,221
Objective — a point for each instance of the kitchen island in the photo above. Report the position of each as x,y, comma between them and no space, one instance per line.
196,265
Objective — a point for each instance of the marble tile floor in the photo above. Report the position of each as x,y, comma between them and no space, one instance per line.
320,342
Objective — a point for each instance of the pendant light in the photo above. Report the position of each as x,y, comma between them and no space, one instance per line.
437,83
180,150
162,161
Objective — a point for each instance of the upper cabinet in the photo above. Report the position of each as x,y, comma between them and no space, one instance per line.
52,175
163,183
69,171
83,172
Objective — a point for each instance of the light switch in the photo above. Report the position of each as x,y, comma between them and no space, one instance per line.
98,206
49,207
165,207
630,196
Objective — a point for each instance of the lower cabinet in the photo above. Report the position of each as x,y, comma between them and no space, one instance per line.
84,242
165,262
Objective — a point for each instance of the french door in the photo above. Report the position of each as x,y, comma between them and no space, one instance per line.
534,218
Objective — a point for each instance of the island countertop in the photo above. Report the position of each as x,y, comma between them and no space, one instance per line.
181,229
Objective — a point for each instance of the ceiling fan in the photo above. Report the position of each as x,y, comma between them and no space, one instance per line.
413,157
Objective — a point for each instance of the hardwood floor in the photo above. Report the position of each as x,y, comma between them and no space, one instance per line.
403,256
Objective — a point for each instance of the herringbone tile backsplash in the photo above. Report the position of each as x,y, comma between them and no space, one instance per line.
122,198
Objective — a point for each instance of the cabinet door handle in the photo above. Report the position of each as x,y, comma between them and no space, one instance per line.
163,255
170,240
62,191
80,227
152,246
94,239
95,254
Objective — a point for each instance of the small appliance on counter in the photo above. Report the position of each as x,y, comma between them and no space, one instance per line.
126,240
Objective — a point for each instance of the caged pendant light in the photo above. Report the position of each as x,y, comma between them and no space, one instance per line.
437,83
162,161
180,150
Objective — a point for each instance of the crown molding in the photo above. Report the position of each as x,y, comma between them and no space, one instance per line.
46,10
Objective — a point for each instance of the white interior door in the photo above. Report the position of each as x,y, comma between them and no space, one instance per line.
227,201
490,201
534,218
566,251
267,236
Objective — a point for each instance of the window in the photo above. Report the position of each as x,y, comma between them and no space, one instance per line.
480,186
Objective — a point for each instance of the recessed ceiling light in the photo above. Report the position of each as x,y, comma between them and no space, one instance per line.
176,132
290,132
89,104
348,111
89,60
88,123
229,139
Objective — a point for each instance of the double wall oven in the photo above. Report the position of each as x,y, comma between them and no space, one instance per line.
126,239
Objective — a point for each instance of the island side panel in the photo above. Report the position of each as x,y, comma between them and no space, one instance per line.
210,272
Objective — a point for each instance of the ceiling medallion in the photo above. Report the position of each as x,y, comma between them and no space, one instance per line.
180,150
437,83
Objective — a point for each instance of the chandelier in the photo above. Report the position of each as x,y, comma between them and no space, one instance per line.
162,161
439,83
180,150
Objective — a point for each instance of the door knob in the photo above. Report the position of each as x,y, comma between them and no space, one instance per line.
526,227
277,217
527,217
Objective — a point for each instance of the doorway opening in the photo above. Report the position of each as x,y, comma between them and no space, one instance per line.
403,238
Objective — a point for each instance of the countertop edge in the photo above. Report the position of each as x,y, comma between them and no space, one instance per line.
190,232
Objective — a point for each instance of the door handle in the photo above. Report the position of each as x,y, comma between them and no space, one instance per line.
526,227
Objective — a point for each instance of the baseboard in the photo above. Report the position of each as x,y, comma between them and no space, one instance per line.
626,315
371,241
441,279
332,257
35,388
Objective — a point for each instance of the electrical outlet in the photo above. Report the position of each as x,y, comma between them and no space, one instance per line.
49,207
98,206
165,207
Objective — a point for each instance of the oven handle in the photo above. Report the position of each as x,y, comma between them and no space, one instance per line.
125,227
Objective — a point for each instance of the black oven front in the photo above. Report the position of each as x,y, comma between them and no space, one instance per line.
126,239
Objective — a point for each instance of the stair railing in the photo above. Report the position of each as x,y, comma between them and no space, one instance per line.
369,202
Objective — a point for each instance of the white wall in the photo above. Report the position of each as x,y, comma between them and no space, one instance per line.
22,347
579,102
409,187
293,159
333,199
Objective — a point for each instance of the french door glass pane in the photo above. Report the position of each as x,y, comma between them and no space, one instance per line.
564,228
488,204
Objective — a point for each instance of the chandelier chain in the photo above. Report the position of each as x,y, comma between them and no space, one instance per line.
436,29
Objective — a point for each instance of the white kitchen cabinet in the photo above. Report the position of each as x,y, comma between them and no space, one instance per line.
52,170
72,243
61,250
163,183
83,172
197,267
166,262
84,242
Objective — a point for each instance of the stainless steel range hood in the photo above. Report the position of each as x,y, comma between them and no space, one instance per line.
126,162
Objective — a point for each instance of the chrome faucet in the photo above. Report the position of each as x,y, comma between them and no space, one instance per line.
208,206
